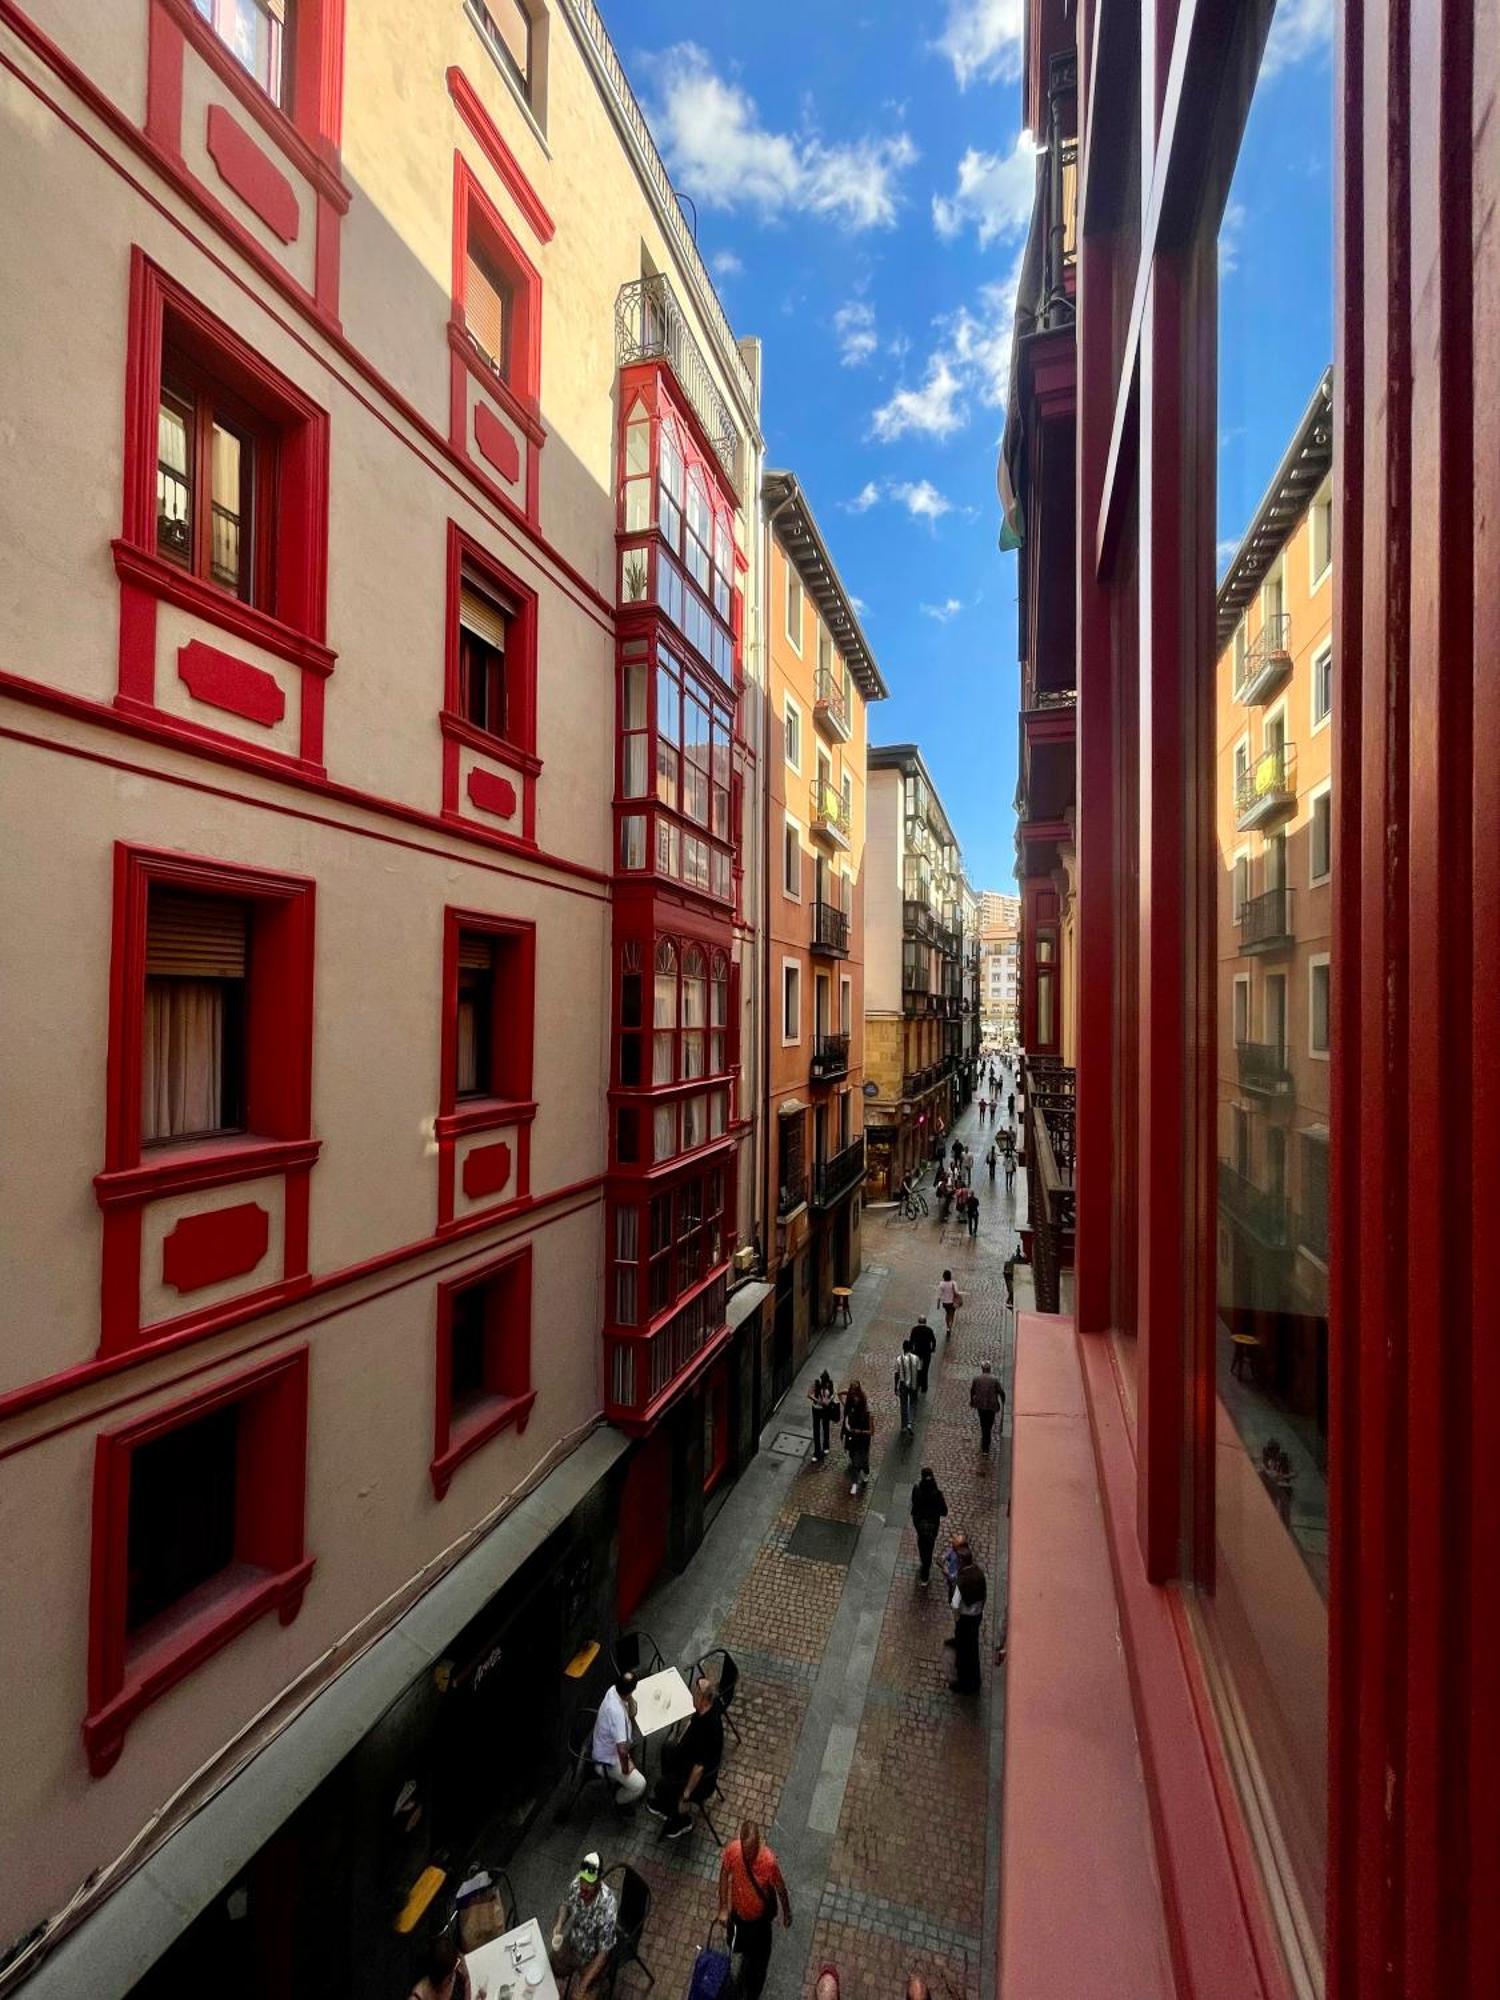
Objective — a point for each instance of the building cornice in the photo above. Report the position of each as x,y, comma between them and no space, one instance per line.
797,530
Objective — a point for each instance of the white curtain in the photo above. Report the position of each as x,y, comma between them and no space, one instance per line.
182,1071
468,1048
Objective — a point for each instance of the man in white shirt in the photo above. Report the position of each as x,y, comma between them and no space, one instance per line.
611,1745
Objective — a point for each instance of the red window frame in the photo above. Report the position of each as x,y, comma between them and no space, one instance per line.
206,406
125,1678
292,492
509,1393
477,221
310,114
464,553
278,1009
513,1024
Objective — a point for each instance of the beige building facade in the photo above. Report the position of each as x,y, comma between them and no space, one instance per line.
317,749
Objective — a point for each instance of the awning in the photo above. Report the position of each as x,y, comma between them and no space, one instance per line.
119,1941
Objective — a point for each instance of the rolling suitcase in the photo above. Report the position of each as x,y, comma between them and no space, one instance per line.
710,1970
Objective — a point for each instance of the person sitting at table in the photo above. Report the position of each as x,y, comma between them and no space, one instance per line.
611,1745
690,1766
583,1931
444,1974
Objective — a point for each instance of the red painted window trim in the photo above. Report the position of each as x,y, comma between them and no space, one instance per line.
450,1445
270,1529
295,483
519,747
467,103
470,202
310,132
280,1031
515,1000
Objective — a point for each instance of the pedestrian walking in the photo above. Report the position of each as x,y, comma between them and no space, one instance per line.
928,1511
1010,1171
981,1107
973,1214
987,1397
967,1602
950,1298
1009,1271
751,1885
990,1159
968,1168
924,1346
859,1428
908,1374
1010,1106
825,1413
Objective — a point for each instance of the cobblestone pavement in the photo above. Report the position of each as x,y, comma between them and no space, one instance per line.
876,1785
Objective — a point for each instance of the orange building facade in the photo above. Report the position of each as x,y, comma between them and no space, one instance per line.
820,677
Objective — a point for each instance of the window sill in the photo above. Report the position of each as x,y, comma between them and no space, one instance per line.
518,756
202,1163
497,1414
482,1114
306,155
163,579
186,1638
522,410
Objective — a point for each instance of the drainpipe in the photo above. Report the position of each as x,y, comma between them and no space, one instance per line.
767,542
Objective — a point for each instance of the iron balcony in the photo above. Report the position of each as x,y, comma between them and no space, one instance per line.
1264,1068
830,929
833,1179
1265,921
1268,789
1266,663
828,813
830,709
830,1058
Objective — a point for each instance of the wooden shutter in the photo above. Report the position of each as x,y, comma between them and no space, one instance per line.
483,615
486,305
475,954
195,937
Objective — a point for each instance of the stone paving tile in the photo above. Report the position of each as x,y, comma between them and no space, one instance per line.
874,1961
785,1606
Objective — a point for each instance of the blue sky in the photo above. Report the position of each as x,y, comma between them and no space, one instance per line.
863,188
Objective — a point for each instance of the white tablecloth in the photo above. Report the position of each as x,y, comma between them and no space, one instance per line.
661,1700
492,1967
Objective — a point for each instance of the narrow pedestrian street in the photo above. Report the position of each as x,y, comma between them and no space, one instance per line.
874,1783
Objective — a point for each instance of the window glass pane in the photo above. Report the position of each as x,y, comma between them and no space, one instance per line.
638,440
182,1513
1266,1451
508,27
663,1132
633,841
487,305
174,531
252,31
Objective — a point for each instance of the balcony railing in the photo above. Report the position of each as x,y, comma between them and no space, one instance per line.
792,1194
1266,661
830,707
830,929
649,326
1265,921
830,1057
827,810
917,1082
642,1367
832,1179
1266,1216
1264,1068
1267,789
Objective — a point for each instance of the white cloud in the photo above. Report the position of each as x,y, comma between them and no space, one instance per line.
982,40
1299,28
1224,554
935,409
861,609
855,326
863,500
949,608
725,264
921,499
970,362
994,193
717,147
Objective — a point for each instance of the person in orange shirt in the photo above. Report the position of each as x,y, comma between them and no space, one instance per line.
750,1887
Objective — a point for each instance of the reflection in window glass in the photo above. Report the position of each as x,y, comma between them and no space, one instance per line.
1265,1601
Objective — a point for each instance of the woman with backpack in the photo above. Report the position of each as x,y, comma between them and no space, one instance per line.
928,1510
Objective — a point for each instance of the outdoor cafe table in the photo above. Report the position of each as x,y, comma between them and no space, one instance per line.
491,1966
660,1700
